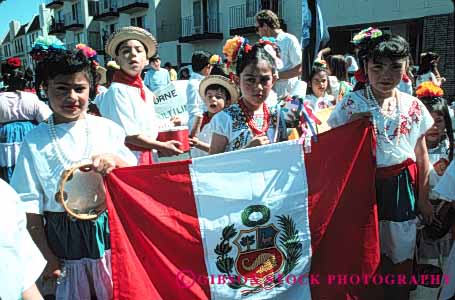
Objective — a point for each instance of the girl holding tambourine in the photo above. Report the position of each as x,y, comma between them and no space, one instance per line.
76,250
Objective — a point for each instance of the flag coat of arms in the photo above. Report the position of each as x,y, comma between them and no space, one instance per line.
251,224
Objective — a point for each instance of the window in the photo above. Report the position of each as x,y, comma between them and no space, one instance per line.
79,37
197,16
251,8
138,22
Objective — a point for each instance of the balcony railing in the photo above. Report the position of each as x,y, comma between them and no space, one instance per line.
242,17
57,27
210,28
53,4
106,10
132,6
73,21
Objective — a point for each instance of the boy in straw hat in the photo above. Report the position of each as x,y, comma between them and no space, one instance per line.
217,92
128,102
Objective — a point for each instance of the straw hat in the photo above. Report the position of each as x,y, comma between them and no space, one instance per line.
131,33
224,82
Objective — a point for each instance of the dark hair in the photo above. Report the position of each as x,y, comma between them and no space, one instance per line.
218,70
338,66
428,62
217,87
254,55
167,65
268,17
199,60
439,105
64,63
314,71
118,46
389,46
16,81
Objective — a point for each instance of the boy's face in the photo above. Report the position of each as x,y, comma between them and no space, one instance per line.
215,100
131,57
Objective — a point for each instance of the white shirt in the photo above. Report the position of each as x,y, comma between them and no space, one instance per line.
123,105
195,104
446,186
429,76
22,106
21,262
291,55
38,169
414,120
319,103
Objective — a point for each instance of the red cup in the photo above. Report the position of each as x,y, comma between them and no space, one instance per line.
178,133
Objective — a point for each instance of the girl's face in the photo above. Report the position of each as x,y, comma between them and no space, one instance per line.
215,101
68,96
319,83
132,57
385,74
435,133
256,82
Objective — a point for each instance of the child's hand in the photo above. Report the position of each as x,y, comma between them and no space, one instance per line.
52,269
426,209
104,163
193,141
170,148
176,121
258,140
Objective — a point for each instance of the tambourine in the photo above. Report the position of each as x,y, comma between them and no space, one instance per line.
81,192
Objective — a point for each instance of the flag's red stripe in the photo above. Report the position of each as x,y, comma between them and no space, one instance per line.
157,235
342,208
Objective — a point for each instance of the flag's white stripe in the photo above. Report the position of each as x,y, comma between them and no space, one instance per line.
224,185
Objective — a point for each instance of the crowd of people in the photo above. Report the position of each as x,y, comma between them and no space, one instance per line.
77,111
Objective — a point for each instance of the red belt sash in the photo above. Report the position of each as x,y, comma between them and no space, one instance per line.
146,156
395,170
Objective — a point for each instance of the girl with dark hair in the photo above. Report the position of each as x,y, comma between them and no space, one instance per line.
20,112
400,122
77,251
435,248
249,123
339,81
428,69
317,96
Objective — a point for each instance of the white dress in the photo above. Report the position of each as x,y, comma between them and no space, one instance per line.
21,262
36,179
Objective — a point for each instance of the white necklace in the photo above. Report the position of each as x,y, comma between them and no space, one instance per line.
61,156
388,120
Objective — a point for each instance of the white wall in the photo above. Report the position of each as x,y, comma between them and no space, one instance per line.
350,12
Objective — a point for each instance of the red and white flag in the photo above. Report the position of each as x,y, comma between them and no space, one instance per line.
262,223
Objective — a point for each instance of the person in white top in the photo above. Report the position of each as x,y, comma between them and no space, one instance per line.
268,25
195,106
428,69
128,102
400,122
21,261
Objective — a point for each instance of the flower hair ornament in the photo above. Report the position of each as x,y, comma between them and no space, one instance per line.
366,35
14,62
271,47
429,90
43,46
234,49
320,63
89,53
215,59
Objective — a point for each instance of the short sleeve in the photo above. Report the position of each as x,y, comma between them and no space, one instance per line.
26,182
116,105
427,120
194,102
446,186
42,111
295,52
118,142
221,124
341,114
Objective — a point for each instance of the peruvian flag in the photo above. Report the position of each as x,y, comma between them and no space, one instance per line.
262,223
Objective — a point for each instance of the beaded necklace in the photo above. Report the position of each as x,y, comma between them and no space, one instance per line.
388,119
250,118
61,156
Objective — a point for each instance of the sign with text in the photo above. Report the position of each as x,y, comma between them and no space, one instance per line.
171,101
